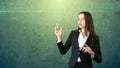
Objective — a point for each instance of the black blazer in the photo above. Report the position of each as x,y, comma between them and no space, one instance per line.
86,60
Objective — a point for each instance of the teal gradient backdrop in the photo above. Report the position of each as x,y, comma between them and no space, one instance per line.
27,37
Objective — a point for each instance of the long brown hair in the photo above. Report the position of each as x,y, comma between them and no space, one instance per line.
89,25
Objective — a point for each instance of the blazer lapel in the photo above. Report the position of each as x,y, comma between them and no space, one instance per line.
89,41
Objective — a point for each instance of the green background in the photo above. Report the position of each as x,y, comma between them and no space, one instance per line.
27,38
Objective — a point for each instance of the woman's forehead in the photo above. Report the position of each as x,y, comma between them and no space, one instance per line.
81,15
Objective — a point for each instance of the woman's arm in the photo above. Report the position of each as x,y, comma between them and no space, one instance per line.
97,51
62,48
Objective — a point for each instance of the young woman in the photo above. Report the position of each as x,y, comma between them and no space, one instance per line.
84,42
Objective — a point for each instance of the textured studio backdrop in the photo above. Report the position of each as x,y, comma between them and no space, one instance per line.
27,38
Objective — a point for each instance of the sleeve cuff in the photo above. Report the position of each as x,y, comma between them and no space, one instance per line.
58,41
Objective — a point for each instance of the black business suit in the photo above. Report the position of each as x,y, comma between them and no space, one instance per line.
86,60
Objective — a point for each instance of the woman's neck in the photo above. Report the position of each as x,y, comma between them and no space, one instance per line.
84,31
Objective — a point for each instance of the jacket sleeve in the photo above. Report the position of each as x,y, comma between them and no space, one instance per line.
64,48
97,51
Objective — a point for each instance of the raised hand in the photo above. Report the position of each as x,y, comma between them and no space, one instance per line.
58,32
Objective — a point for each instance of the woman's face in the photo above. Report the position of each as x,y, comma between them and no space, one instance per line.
81,21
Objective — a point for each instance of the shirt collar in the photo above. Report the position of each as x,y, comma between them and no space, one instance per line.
84,35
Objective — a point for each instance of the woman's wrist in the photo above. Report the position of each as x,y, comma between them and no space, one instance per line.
59,38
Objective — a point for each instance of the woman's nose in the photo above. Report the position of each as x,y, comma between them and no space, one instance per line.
79,21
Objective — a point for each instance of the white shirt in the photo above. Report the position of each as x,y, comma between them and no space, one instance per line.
82,40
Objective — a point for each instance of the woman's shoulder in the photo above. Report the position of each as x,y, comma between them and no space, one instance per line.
76,30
